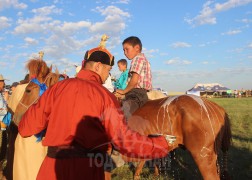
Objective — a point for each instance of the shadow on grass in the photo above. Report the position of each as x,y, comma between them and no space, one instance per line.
182,166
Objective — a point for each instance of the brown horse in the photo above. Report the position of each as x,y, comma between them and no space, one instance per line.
201,126
37,69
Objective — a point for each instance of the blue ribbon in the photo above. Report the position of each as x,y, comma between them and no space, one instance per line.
42,89
42,86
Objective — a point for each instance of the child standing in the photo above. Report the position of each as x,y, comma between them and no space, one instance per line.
121,83
140,78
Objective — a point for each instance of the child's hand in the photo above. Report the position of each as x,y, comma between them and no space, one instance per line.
119,96
120,91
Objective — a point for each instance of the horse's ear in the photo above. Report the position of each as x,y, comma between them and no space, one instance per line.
56,70
50,69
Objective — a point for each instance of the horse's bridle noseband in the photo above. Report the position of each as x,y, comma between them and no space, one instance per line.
42,89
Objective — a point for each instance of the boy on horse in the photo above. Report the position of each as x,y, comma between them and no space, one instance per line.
140,78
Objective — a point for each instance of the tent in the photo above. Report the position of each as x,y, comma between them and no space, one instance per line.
208,89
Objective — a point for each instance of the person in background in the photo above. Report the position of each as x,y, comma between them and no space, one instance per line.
13,86
140,77
3,134
83,119
12,131
121,83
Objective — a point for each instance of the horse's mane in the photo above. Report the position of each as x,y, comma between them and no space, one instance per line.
37,68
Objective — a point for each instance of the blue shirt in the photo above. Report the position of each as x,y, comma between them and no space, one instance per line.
121,83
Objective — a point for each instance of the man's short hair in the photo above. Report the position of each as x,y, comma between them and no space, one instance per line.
133,40
123,61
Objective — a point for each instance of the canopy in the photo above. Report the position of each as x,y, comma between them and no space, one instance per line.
212,87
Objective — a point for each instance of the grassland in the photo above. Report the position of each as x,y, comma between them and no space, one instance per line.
240,154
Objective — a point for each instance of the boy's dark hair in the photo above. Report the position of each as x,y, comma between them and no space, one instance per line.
133,40
123,61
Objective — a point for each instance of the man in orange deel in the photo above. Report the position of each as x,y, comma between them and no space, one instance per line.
83,119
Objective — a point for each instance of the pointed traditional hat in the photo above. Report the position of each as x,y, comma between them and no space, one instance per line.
100,54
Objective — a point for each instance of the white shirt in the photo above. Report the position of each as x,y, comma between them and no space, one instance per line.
3,108
108,84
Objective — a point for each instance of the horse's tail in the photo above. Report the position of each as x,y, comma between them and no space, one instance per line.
225,144
227,136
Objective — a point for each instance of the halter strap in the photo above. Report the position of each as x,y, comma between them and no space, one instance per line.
42,89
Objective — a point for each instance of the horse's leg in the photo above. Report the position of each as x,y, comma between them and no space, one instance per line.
139,170
156,171
207,164
107,175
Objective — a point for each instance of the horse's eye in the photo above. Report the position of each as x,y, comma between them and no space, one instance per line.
28,90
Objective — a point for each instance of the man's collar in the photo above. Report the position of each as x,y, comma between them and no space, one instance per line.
89,75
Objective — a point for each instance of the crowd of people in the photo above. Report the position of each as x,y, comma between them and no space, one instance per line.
83,118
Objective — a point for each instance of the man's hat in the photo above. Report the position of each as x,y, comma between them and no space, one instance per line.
99,55
2,78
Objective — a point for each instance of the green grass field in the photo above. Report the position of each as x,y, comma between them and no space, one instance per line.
240,153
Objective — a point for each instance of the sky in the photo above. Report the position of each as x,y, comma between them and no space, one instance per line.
186,42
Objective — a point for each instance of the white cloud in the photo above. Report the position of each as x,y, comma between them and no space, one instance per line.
121,2
111,11
59,38
246,21
5,22
208,43
3,64
47,10
69,27
177,61
205,62
20,14
4,4
232,32
149,53
7,48
250,45
180,45
209,10
40,22
31,41
113,23
34,25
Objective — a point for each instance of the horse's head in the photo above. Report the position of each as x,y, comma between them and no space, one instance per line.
35,87
38,69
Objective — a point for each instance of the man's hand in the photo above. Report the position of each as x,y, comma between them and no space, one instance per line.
169,138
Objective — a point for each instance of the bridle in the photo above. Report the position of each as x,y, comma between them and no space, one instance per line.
42,89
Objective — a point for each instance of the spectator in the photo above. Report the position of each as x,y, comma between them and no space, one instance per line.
121,83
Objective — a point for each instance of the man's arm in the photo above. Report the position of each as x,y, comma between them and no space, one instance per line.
132,84
129,142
